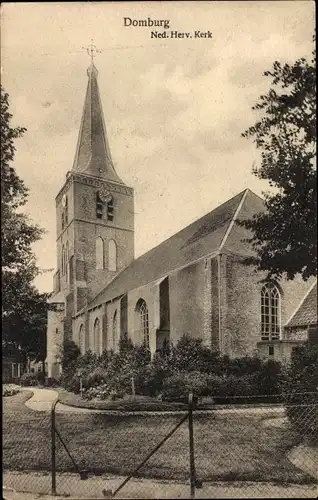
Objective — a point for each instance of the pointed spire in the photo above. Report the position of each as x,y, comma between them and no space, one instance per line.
92,153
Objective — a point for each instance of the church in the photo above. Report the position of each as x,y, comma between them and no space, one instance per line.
195,283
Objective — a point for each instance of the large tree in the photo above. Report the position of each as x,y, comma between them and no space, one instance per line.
23,306
285,235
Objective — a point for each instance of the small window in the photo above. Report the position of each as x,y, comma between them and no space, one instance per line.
110,209
99,207
271,350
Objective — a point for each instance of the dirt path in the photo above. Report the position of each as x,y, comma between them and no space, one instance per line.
101,487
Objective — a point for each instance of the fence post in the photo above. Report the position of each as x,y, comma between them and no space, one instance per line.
191,447
53,448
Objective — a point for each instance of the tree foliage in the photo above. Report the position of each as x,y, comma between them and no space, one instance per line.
23,307
285,235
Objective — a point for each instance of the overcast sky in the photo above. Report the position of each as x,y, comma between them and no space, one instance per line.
174,108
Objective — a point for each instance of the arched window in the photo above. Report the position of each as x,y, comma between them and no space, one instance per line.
66,211
67,261
112,256
97,336
270,312
81,339
99,253
142,310
63,259
115,326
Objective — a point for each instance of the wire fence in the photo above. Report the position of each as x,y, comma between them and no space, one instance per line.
250,450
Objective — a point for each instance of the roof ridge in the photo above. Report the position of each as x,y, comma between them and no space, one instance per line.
230,227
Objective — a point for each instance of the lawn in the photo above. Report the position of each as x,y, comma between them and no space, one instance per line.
228,446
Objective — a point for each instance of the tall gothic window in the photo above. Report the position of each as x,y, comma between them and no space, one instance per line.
67,261
97,336
115,326
81,338
63,259
270,312
99,253
112,255
142,310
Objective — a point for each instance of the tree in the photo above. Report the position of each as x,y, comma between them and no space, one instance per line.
23,306
285,235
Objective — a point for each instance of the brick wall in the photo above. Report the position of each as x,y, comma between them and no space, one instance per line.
241,303
187,302
55,336
150,294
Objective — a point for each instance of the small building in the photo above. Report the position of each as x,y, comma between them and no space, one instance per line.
13,365
302,326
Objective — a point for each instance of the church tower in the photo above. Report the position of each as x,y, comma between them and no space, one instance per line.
95,222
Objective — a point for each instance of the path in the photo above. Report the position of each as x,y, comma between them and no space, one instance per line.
70,484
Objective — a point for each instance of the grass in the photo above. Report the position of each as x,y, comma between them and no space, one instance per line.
228,446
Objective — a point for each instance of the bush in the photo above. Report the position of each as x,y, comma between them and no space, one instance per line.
244,366
178,386
191,355
150,379
226,388
32,379
98,376
269,378
51,382
301,389
10,390
70,353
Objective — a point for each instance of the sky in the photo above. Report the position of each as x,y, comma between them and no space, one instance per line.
174,108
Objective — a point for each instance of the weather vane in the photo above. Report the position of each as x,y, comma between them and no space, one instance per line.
92,50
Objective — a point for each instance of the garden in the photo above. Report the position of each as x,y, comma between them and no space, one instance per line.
169,376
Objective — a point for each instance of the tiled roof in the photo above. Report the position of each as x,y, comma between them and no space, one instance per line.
201,238
306,314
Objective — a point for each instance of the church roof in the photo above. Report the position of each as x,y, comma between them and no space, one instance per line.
306,313
212,233
92,153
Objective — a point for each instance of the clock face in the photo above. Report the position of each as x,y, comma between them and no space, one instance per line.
105,195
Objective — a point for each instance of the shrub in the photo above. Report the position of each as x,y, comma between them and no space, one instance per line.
51,382
224,389
10,390
98,376
269,378
32,379
191,355
178,386
150,379
301,389
70,353
244,366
